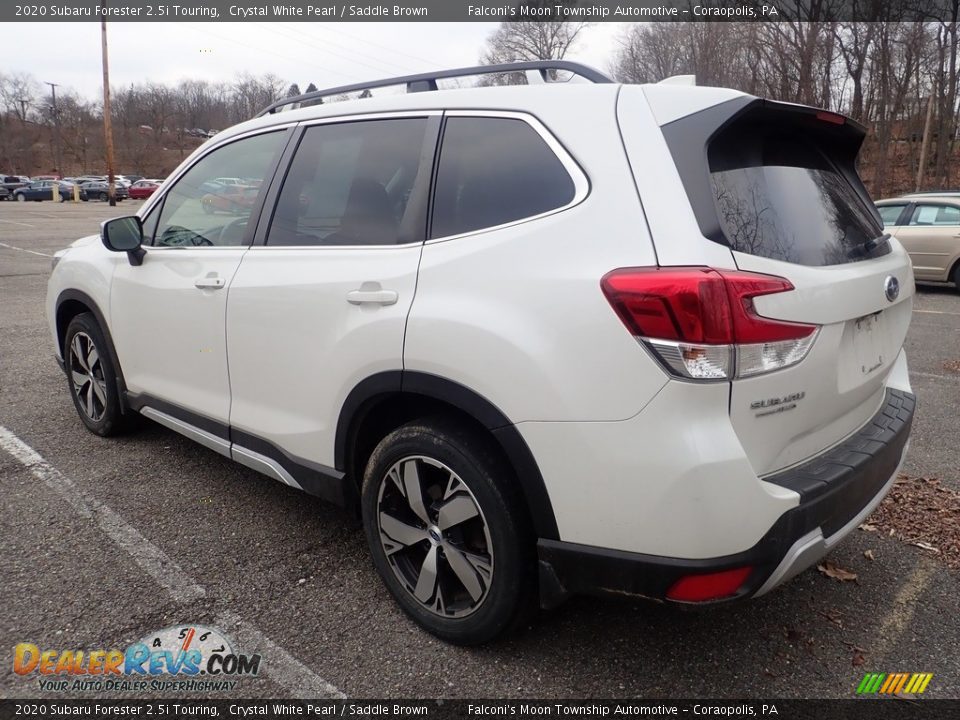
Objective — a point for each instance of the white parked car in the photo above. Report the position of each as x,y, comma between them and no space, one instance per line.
547,339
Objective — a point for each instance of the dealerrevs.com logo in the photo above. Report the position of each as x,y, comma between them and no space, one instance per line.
178,658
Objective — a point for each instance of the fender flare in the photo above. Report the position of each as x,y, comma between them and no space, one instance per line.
504,432
90,303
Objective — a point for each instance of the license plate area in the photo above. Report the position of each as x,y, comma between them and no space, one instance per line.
869,343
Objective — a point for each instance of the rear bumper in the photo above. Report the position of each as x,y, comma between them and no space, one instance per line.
837,491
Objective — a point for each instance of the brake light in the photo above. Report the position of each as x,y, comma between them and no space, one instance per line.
711,586
830,117
702,324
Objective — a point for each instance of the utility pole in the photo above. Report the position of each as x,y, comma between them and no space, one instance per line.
924,144
107,127
57,156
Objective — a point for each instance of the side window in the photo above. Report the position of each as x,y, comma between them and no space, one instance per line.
494,171
200,211
890,213
935,215
351,183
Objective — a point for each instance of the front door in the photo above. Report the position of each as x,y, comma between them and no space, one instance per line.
169,314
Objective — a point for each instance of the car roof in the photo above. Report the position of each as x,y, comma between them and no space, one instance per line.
948,199
518,98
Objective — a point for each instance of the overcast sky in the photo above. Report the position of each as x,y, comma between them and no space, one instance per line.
326,54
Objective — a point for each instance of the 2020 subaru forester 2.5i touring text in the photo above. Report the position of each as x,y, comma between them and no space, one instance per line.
547,339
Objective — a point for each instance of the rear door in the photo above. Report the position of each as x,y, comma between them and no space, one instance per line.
931,234
320,301
777,185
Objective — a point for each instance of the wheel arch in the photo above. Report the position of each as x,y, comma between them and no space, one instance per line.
954,271
71,303
383,402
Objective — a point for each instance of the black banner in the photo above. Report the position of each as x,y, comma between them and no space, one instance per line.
474,10
892,709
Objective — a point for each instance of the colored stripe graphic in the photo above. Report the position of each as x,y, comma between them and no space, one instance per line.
894,683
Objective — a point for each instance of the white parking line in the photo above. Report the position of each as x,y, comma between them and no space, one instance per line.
300,681
14,222
32,252
147,555
937,312
899,617
293,675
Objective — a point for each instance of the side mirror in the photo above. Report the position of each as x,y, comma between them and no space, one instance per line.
124,234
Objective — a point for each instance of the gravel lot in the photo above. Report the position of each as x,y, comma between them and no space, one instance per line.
289,577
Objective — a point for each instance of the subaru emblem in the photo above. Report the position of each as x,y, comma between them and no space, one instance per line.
891,288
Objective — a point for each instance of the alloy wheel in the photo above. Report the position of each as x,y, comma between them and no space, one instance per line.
434,536
86,376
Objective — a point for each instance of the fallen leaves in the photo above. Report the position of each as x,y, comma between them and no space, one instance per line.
924,513
859,653
832,570
868,554
834,616
952,366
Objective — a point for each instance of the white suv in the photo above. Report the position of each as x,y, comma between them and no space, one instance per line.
548,339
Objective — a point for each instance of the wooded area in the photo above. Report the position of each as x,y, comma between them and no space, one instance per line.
889,75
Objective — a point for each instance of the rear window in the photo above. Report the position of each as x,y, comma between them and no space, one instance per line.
495,171
783,198
890,213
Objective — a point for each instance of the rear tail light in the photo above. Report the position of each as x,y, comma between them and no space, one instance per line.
701,323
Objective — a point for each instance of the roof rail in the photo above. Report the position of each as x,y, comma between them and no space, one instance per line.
425,82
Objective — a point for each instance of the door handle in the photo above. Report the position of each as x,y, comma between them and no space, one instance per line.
372,296
210,282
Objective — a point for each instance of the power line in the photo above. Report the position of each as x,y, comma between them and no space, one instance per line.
321,26
316,45
247,46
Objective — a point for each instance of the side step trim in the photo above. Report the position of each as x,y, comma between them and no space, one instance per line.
263,464
191,431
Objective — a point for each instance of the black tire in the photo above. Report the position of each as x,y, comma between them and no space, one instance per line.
496,539
21,198
103,197
100,411
956,276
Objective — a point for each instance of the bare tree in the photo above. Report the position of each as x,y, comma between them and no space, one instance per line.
18,92
517,41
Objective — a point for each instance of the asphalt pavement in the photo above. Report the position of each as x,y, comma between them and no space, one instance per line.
105,541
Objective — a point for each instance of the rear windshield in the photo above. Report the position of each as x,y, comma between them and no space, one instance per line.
782,198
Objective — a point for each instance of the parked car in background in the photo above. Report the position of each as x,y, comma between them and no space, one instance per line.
231,199
216,185
38,178
937,193
928,227
12,182
90,178
43,190
143,189
99,190
133,178
4,193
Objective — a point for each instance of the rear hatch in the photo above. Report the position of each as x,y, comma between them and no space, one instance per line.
777,184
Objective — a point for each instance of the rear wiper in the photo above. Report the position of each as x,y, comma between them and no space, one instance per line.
868,246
